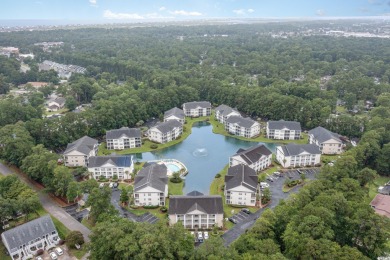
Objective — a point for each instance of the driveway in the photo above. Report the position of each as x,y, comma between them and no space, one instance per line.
277,195
4,170
51,207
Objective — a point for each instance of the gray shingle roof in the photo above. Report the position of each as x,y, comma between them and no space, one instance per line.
124,131
225,110
195,193
296,149
322,135
83,145
253,154
241,121
60,101
241,175
211,204
168,126
196,104
292,125
175,112
29,231
154,175
117,160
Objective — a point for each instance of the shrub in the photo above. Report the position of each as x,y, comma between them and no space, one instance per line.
176,180
61,242
163,209
134,207
154,146
151,206
217,175
73,238
40,252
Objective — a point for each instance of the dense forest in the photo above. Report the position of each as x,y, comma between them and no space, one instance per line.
134,74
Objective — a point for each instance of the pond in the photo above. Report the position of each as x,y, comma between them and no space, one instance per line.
204,154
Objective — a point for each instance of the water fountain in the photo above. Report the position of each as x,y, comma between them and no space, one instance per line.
200,152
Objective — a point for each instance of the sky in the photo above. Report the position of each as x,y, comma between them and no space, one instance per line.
146,10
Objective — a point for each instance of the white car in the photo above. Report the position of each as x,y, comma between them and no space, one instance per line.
200,236
59,251
111,185
264,185
206,235
101,185
38,258
53,256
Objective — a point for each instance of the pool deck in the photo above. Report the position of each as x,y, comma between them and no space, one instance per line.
174,162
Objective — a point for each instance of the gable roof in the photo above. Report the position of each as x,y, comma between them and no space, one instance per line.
381,205
291,125
23,234
241,121
296,149
241,175
168,126
322,135
83,145
195,193
196,104
124,131
225,110
117,160
211,204
253,154
175,112
60,101
154,175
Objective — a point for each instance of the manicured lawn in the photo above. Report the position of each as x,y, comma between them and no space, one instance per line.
373,187
79,253
86,223
61,111
140,211
341,109
175,188
3,255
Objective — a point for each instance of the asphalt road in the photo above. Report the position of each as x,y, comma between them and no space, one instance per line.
50,206
277,195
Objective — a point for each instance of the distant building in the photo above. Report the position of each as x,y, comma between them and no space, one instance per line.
197,108
241,185
79,152
298,155
36,85
63,70
24,241
175,114
108,166
8,51
223,112
56,104
385,190
327,141
241,126
165,132
381,205
196,210
151,185
284,130
256,157
123,138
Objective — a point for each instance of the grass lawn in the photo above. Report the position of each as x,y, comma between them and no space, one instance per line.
79,253
61,111
175,188
341,109
87,223
373,187
3,255
140,211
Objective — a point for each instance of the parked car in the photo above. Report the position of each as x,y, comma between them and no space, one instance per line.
53,256
115,185
206,235
59,251
277,173
200,236
247,211
264,185
101,185
38,258
111,185
233,220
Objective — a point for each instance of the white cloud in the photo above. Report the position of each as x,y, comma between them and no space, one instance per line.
186,13
111,15
320,12
93,2
162,8
243,11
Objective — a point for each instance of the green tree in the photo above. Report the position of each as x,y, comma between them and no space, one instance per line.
73,191
61,180
366,176
124,197
70,103
100,202
73,238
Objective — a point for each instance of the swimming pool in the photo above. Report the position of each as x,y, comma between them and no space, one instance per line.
172,167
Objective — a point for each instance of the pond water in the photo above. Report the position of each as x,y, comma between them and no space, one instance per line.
204,154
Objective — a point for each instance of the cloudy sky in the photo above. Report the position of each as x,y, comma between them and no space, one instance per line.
136,10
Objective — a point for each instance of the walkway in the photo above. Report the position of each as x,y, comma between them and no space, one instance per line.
277,195
50,206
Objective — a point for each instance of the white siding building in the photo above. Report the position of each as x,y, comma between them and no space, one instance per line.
298,155
24,241
241,186
257,157
108,166
123,138
284,130
79,152
196,211
151,185
240,126
197,108
175,114
165,132
327,141
223,112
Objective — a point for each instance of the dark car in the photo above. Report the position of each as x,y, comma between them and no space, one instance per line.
115,185
247,211
233,220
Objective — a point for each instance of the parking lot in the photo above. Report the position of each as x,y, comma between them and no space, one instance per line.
73,211
240,217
